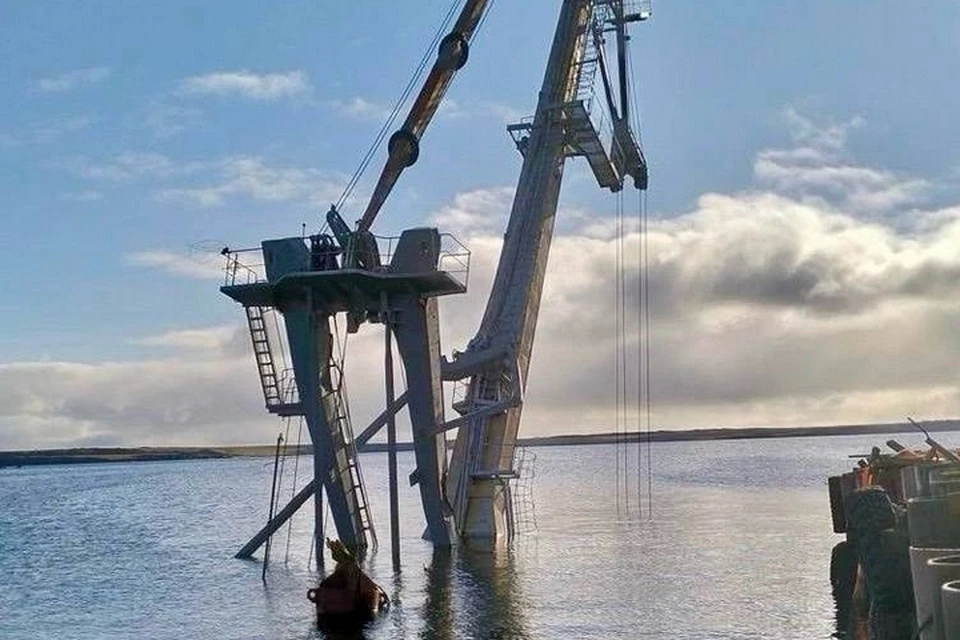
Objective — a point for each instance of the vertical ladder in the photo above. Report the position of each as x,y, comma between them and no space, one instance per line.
587,69
263,355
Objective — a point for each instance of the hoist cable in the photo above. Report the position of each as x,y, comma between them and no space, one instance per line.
414,79
646,305
293,488
616,363
645,411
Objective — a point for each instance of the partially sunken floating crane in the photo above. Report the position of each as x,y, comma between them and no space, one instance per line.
309,281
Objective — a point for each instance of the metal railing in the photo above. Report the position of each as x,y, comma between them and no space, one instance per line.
246,266
248,270
454,258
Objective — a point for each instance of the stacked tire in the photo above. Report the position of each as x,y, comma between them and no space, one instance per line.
877,533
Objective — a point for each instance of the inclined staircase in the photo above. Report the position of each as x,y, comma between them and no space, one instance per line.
279,396
345,471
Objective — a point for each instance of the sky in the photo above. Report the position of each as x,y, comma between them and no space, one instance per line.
804,201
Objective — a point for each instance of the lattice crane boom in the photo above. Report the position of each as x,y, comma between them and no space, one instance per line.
497,359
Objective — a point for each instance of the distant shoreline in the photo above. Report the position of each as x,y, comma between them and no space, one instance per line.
145,454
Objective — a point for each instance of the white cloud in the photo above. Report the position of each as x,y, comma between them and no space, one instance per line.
46,132
476,212
819,167
166,120
72,79
247,176
831,135
125,166
768,308
265,87
152,402
360,108
206,266
508,114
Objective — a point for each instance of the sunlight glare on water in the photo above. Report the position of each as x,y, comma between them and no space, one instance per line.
737,546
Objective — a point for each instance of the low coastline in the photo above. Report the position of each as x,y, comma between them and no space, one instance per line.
144,454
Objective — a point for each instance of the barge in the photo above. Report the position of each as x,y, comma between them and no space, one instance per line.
892,575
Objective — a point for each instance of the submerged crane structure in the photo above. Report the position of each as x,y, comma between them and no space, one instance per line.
308,282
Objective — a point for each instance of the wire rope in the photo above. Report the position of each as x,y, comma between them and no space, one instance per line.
293,489
388,123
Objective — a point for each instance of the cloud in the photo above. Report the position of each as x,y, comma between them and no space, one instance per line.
46,132
72,79
768,307
805,131
167,120
151,402
204,266
251,177
264,87
360,108
818,167
206,339
125,166
476,212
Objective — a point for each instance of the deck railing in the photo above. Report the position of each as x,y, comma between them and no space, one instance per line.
246,266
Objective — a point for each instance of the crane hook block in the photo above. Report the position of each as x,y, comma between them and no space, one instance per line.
454,50
404,146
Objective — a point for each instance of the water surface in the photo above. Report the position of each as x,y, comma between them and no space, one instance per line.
736,546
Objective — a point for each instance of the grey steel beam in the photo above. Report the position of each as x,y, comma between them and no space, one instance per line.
282,516
308,490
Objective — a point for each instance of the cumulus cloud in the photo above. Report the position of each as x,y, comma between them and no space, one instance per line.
818,166
263,87
72,79
153,402
768,307
766,311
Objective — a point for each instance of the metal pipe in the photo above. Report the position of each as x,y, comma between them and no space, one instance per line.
391,443
273,501
308,490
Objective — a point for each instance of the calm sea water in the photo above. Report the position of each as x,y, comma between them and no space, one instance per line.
737,546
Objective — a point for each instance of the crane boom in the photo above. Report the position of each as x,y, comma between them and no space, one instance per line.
497,359
404,145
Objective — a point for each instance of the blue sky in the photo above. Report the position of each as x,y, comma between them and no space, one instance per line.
136,137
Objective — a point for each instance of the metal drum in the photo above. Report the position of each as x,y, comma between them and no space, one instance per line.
944,480
950,601
940,570
935,521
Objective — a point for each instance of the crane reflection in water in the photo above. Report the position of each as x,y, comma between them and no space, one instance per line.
486,581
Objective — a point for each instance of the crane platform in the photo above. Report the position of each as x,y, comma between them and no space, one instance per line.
343,289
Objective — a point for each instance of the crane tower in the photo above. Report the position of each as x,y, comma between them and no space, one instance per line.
308,282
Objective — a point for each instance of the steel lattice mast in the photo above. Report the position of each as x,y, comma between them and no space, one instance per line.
498,358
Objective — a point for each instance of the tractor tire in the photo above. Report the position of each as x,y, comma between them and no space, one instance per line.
843,577
885,560
869,511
